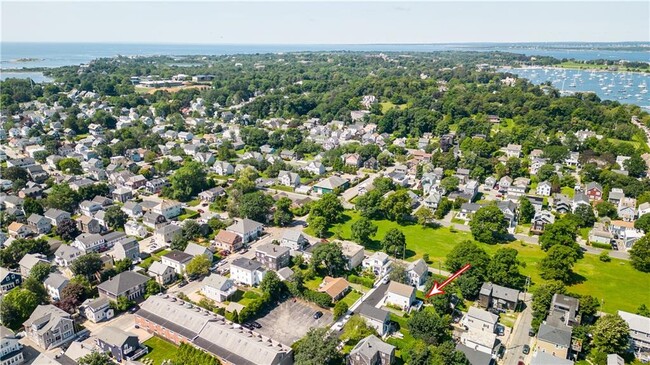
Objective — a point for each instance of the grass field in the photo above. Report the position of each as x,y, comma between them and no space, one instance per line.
568,191
159,350
615,282
387,105
351,297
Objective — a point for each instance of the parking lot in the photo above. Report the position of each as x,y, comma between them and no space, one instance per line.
290,321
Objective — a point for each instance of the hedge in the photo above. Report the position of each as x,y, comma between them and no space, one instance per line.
601,245
367,282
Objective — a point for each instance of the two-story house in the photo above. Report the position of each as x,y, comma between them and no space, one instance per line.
177,260
128,284
379,263
247,229
39,224
162,273
97,309
417,273
218,288
377,318
400,295
121,345
294,240
168,209
272,256
11,350
372,351
54,284
9,280
49,327
166,234
246,271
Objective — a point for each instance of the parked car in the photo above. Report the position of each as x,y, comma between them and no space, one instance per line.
133,309
531,332
256,324
318,314
182,283
526,349
200,211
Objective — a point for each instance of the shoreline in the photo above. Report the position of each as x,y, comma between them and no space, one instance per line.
590,69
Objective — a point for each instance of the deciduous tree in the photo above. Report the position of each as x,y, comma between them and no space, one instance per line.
488,225
363,230
394,242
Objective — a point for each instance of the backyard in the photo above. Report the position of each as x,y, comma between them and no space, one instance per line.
159,350
592,276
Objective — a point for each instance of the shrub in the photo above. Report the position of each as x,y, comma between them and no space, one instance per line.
367,282
321,299
604,257
604,246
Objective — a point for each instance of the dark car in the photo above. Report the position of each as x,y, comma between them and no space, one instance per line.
256,324
531,332
134,309
248,326
318,314
526,349
182,283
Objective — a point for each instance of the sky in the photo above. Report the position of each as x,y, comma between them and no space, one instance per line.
320,22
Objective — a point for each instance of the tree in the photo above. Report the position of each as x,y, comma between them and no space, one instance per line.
331,256
398,273
488,225
122,265
643,223
115,218
447,354
562,232
542,297
36,287
318,225
198,266
503,269
188,181
635,166
72,296
318,347
369,204
17,305
235,317
282,216
467,252
67,230
585,215
153,288
87,265
545,172
526,210
443,208
328,207
424,216
362,231
61,196
190,230
640,254
588,308
611,335
179,242
14,173
643,311
95,358
32,206
356,329
255,206
340,308
558,263
394,242
11,255
121,304
70,165
40,271
606,209
449,183
429,327
397,206
272,285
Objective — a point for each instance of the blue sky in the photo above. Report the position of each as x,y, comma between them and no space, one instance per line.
318,22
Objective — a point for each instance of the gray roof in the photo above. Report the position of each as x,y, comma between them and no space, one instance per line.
170,228
123,282
500,292
178,256
419,267
369,346
482,315
96,303
560,336
53,213
269,249
475,357
242,226
44,314
636,322
400,289
194,249
285,273
67,252
216,281
331,182
56,280
29,260
158,268
371,312
246,264
114,336
34,218
292,235
543,358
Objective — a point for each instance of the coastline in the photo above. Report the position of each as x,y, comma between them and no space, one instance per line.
559,67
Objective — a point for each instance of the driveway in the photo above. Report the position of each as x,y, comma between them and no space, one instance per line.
519,336
290,321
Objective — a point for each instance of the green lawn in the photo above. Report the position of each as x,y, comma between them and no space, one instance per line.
568,191
314,283
193,203
387,105
159,350
154,257
351,297
282,188
188,214
615,282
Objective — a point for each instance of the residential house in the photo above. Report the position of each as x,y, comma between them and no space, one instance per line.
544,188
132,209
133,228
562,204
615,196
540,220
166,234
544,358
120,345
315,167
400,295
639,334
211,195
122,194
379,263
194,250
474,356
89,208
600,234
54,284
168,209
504,183
90,242
470,189
56,216
177,260
294,240
9,280
247,229
178,322
330,184
371,351
97,309
377,318
417,273
28,261
223,168
564,309
479,320
336,288
594,191
644,208
11,350
154,186
229,241
627,209
39,224
353,254
154,220
287,178
89,225
162,273
554,340
218,288
127,249
509,210
49,327
128,284
246,271
497,296
272,256
18,230
513,150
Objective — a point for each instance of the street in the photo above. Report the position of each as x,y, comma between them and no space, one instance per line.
519,336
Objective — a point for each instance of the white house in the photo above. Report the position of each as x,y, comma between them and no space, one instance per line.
379,263
65,254
165,234
400,295
247,229
246,271
287,178
97,309
218,288
480,320
417,272
316,168
54,284
543,188
294,240
177,260
162,273
168,209
11,350
377,318
133,228
223,168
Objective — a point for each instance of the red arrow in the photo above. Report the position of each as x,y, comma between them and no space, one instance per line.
437,288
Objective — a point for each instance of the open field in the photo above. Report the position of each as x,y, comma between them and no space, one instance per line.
616,282
387,105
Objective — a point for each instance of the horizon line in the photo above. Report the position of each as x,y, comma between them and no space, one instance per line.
330,44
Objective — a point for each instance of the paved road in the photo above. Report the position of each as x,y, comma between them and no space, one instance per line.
519,336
